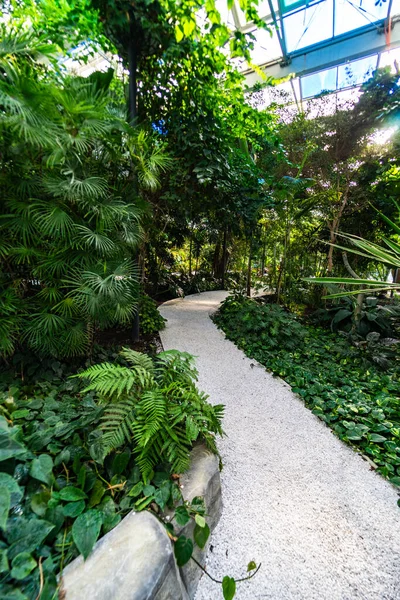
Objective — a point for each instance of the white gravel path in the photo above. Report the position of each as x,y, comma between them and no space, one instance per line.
296,499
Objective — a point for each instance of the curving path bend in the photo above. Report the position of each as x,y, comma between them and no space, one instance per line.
298,500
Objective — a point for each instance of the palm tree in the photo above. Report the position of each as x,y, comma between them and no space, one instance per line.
70,214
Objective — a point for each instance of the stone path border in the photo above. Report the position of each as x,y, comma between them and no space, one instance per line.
135,561
297,499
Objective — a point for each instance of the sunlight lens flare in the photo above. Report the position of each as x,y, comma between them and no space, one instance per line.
382,136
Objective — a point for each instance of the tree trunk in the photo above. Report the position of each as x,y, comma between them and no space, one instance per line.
248,286
132,116
190,252
360,296
216,260
334,229
224,258
263,253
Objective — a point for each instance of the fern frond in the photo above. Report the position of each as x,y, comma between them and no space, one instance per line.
138,359
108,379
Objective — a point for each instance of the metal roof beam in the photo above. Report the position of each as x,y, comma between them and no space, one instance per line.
329,54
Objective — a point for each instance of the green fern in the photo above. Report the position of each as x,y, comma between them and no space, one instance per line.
155,406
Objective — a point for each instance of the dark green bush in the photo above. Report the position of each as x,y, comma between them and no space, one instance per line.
150,319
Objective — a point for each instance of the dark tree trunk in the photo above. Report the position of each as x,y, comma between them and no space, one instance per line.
248,286
224,258
216,259
132,116
263,253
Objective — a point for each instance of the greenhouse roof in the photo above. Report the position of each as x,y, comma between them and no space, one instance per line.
317,45
329,45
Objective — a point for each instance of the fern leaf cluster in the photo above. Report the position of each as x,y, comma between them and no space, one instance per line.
155,406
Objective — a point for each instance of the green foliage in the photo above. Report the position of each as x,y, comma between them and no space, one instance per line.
56,496
338,382
150,319
155,407
387,254
373,317
69,221
272,324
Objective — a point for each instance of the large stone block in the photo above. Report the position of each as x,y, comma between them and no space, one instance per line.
135,561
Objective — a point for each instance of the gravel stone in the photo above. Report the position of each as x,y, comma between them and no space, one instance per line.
323,524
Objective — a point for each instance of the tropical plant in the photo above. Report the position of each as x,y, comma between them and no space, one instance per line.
55,499
151,320
70,213
153,405
387,254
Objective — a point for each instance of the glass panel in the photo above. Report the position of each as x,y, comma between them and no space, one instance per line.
395,8
387,59
266,48
312,85
288,5
356,72
352,14
264,10
309,26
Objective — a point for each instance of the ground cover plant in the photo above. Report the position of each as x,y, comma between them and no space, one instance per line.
72,464
339,382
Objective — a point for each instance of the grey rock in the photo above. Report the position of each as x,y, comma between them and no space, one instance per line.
135,561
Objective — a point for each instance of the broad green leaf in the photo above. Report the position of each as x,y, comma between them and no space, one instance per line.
182,516
201,522
136,489
73,509
120,462
178,33
25,535
109,515
22,565
41,469
16,493
375,437
98,492
148,490
183,550
162,494
21,414
5,503
39,502
228,587
4,565
201,535
395,480
86,530
9,448
72,494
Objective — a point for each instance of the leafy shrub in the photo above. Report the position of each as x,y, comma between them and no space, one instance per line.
57,496
153,404
374,317
150,319
337,381
273,326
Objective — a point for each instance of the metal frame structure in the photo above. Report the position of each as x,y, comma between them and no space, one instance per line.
370,40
